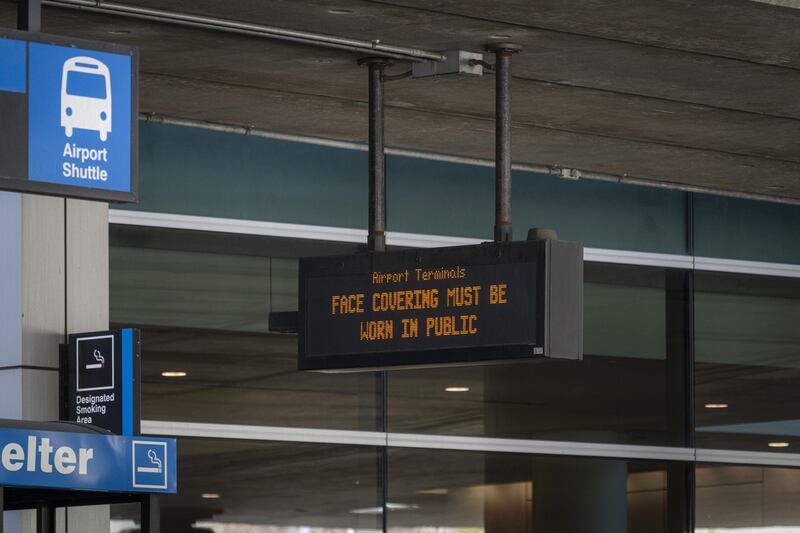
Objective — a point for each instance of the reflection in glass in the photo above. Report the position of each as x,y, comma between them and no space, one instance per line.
247,378
617,394
202,302
194,289
747,499
748,362
261,487
501,493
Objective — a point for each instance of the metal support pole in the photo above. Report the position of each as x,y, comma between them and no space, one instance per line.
2,508
45,519
150,514
502,202
376,239
29,15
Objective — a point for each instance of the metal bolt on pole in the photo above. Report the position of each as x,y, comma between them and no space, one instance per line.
502,219
376,240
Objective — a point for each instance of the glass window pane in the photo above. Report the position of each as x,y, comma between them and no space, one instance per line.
202,302
189,289
229,486
245,378
503,493
748,362
617,394
747,499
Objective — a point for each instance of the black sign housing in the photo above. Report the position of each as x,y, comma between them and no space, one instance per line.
101,380
466,304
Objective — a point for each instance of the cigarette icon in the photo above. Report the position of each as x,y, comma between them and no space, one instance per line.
101,361
151,454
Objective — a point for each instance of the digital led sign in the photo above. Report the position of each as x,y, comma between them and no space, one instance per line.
494,301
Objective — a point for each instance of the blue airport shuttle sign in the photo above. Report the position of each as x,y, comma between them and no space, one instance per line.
87,461
68,117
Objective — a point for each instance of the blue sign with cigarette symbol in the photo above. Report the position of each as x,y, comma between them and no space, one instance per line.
89,461
150,464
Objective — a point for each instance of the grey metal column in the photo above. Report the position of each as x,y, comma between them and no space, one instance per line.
45,519
53,281
86,257
150,514
376,238
29,15
502,223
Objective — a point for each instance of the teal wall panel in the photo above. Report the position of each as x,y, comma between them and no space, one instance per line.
199,172
191,171
734,228
456,199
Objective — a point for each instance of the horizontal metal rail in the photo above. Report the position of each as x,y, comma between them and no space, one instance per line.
465,444
420,240
374,47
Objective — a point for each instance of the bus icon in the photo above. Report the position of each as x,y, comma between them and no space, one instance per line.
86,96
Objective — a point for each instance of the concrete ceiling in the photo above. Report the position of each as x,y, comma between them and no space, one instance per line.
700,94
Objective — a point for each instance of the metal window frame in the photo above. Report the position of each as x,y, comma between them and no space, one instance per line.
390,439
420,240
681,461
688,262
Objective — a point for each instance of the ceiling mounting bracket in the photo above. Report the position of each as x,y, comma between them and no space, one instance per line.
455,63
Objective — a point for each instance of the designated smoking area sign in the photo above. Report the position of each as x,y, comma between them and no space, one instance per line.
95,455
101,380
69,111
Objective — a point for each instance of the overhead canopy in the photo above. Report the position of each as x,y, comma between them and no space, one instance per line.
691,93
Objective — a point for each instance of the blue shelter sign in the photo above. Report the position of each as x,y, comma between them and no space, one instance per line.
87,461
68,110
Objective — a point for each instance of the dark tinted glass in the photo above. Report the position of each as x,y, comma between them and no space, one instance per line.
470,491
748,362
247,378
618,393
247,486
747,499
202,302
